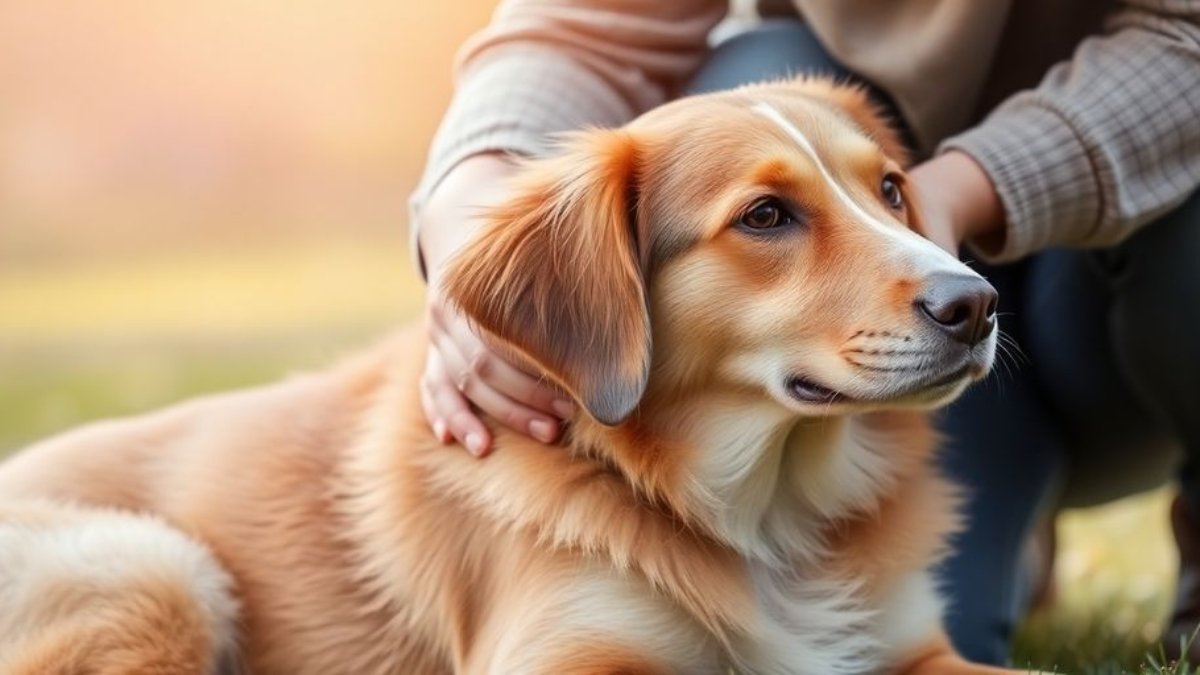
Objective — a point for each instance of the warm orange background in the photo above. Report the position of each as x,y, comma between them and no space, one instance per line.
198,195
134,125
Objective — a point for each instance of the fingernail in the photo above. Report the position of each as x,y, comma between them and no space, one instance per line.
439,430
542,430
563,408
475,444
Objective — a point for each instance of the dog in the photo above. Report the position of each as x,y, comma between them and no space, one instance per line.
735,290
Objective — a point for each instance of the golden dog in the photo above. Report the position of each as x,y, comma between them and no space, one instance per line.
732,289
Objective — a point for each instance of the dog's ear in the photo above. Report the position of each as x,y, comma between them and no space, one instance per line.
556,275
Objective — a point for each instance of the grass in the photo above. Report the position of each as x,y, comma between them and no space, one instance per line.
1114,574
82,342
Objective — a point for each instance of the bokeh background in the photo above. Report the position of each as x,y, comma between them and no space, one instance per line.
202,195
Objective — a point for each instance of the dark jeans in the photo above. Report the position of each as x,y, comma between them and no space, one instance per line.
1097,398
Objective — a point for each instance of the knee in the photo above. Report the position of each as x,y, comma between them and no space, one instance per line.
1155,318
1154,273
774,49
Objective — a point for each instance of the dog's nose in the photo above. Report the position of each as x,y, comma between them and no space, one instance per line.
962,306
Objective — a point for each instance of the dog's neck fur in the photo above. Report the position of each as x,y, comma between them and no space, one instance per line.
706,494
774,488
751,473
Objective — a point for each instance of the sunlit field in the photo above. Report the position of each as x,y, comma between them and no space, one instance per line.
84,341
197,197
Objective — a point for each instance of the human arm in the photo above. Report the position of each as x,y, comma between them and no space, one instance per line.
541,67
1108,142
958,202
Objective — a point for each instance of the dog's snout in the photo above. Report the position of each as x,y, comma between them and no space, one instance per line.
962,306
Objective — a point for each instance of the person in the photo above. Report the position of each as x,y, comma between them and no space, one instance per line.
1060,146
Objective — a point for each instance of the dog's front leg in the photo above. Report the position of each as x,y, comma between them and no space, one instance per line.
910,625
587,619
939,658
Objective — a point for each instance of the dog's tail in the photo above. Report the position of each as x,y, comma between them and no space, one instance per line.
86,590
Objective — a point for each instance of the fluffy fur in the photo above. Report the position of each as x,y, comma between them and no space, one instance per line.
701,515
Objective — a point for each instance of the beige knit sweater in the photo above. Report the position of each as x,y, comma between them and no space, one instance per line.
1105,143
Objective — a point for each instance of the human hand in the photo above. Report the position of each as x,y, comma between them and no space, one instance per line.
957,202
462,372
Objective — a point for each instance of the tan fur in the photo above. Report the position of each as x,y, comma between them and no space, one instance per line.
938,658
698,518
154,630
105,592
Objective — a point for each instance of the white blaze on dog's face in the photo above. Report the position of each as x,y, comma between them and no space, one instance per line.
759,239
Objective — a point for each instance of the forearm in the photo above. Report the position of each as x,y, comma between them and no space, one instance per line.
455,208
544,67
548,66
958,201
1106,143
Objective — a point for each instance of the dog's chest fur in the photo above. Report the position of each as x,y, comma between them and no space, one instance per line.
777,504
775,486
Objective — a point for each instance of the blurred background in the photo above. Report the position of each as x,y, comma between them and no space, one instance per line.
198,196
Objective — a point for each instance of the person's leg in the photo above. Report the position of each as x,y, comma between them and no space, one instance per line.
1156,329
1071,410
1155,325
1003,447
778,48
1125,382
1113,346
1114,445
775,49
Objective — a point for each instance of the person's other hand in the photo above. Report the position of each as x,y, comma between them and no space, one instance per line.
462,373
957,202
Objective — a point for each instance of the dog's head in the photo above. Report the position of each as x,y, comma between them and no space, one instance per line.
762,239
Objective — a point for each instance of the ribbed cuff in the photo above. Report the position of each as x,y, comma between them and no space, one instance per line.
513,102
1042,174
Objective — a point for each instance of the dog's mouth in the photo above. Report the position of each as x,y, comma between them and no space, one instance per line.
953,377
807,390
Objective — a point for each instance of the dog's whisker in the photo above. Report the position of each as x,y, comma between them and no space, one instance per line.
1007,357
1012,345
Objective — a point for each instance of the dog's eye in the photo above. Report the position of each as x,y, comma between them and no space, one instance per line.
767,214
890,189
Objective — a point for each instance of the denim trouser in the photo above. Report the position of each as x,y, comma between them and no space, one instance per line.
1102,401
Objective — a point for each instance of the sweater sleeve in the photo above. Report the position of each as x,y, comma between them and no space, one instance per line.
546,66
1109,141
